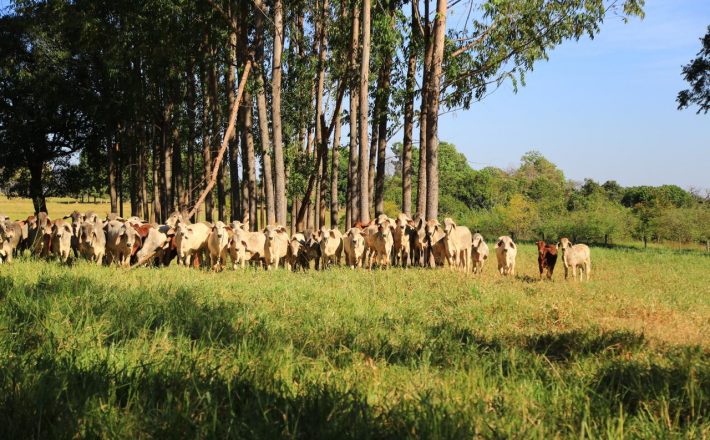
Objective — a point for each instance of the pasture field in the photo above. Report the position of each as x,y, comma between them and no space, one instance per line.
90,351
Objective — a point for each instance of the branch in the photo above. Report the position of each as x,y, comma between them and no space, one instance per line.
225,140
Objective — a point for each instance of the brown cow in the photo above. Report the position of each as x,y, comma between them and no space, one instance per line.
546,258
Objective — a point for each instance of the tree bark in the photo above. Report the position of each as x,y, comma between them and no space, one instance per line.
167,162
409,117
263,116
334,169
249,161
432,198
279,167
363,105
156,178
206,138
191,99
422,185
143,170
36,191
320,141
353,186
112,191
230,79
372,159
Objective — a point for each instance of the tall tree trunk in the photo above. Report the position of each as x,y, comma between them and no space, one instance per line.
279,166
156,178
191,132
422,186
167,147
112,190
353,186
230,87
179,195
215,111
248,153
409,117
206,137
39,202
364,78
372,159
143,171
432,197
132,168
320,141
334,169
267,178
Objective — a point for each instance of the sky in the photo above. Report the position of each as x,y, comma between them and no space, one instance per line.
603,108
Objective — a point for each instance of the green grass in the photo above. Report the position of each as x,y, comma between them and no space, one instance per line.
103,352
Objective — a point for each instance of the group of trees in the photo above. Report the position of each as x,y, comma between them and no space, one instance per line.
535,201
138,96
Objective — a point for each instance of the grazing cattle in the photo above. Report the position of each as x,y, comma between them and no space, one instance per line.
479,253
245,245
419,243
331,246
39,234
92,241
436,238
458,244
276,246
506,250
191,241
61,240
575,255
218,244
122,242
176,218
10,238
158,244
546,258
379,241
312,248
77,218
354,247
296,256
401,248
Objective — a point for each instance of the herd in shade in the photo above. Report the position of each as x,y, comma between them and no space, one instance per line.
383,242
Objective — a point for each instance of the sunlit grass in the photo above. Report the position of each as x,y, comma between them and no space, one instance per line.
96,351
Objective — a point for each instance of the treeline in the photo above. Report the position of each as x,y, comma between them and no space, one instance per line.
134,99
535,201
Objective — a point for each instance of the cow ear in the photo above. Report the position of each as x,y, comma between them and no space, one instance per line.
500,243
332,233
244,243
512,244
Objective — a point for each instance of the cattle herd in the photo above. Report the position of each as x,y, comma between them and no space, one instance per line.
383,242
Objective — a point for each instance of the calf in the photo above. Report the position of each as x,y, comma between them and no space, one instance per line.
479,253
546,258
380,242
402,243
506,251
436,239
218,244
458,244
158,244
191,241
296,256
312,248
92,241
575,255
245,245
331,246
354,247
61,239
122,242
276,246
10,238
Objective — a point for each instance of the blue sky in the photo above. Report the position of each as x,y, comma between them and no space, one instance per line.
602,108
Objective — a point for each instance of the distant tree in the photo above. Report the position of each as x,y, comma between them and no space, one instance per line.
697,74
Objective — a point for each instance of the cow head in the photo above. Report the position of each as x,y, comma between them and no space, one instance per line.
564,244
505,243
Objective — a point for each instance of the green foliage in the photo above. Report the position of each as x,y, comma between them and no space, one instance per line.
697,73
